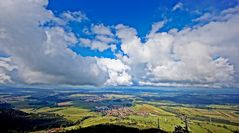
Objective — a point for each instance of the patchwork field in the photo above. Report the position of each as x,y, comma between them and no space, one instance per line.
141,110
147,116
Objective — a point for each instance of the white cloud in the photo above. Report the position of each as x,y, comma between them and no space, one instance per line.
101,46
177,6
97,44
101,30
118,72
64,18
232,10
222,16
204,17
42,54
73,16
157,26
202,56
6,67
103,39
205,55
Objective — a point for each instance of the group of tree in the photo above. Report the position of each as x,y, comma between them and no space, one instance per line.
12,120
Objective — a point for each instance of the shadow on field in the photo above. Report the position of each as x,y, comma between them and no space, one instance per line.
108,128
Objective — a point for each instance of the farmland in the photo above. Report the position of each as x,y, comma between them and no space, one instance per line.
141,110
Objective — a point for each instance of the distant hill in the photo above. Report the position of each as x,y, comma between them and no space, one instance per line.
109,128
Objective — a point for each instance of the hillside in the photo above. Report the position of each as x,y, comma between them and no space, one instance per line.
12,120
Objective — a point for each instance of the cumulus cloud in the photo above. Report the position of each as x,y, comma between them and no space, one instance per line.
42,54
101,30
6,68
37,51
118,72
94,44
77,16
203,56
103,39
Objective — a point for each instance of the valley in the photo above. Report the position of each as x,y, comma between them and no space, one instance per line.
131,107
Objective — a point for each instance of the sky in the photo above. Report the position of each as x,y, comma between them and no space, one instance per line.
120,43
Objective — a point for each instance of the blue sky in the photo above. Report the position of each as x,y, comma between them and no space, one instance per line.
139,14
120,43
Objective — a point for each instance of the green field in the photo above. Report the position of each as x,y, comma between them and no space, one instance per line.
142,109
146,116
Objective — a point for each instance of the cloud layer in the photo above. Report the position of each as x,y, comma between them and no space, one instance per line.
36,45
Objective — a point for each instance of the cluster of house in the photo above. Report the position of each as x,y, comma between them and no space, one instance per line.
118,111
